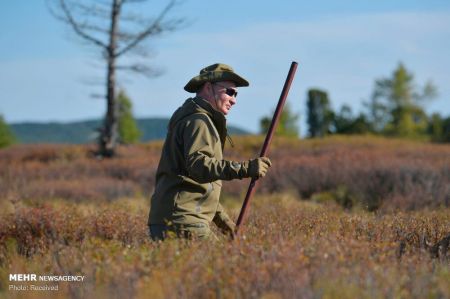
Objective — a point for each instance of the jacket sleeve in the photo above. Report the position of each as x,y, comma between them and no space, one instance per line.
223,221
201,163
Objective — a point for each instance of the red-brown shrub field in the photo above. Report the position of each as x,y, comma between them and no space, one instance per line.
370,173
335,218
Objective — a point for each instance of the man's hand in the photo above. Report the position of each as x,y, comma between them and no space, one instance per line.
258,167
228,230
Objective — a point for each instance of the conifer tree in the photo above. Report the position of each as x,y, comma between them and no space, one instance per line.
287,124
6,136
403,104
128,129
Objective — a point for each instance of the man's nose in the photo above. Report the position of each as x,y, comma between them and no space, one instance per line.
232,100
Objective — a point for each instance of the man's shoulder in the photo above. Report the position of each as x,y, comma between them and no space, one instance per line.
198,123
198,118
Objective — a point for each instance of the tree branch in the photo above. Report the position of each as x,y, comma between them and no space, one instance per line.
89,27
154,28
91,10
77,27
134,1
140,69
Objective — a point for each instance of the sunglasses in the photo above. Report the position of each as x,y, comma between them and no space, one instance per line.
228,90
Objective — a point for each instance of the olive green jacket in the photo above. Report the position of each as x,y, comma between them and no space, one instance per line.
189,174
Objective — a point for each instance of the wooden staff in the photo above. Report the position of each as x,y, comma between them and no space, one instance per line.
268,140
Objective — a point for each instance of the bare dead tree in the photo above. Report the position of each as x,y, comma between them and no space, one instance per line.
115,32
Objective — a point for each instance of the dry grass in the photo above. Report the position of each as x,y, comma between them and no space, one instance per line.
288,249
62,212
364,172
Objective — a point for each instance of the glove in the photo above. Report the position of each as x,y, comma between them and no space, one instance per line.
228,229
257,168
223,222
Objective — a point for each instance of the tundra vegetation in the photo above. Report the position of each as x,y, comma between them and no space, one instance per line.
337,217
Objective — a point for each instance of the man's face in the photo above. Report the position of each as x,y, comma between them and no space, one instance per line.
224,95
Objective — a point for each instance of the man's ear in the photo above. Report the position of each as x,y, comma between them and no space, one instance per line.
210,87
204,89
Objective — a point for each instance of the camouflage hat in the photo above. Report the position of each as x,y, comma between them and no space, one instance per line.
215,73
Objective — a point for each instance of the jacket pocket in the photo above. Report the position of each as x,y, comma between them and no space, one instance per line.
205,196
178,194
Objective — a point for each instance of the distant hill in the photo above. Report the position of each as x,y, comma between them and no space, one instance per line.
85,131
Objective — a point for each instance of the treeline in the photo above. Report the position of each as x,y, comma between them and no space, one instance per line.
396,108
128,130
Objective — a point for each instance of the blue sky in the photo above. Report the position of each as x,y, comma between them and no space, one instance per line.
47,74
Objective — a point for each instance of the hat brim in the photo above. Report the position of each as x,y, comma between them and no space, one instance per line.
195,83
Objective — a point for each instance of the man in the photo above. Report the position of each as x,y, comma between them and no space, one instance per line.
191,169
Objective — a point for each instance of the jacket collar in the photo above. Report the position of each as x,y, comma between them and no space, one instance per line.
218,118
